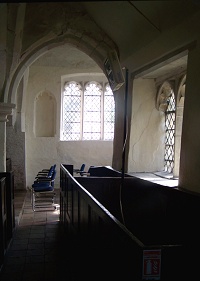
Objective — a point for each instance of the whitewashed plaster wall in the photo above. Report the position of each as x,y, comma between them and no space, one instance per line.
15,143
42,152
146,151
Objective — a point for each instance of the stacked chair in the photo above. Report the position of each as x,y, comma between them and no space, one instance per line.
80,171
42,191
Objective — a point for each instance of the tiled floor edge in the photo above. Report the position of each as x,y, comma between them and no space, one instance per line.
19,211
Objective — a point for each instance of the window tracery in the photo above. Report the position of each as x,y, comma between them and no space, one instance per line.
88,111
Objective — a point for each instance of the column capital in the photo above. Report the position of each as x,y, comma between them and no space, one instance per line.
5,110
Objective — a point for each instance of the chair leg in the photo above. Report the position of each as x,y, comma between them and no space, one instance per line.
42,199
33,200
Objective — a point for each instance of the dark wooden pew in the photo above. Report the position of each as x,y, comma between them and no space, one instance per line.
132,220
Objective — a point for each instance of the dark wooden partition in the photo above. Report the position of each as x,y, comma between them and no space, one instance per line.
148,231
10,210
102,238
7,212
2,219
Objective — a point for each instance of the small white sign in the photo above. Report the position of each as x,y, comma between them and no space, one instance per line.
151,264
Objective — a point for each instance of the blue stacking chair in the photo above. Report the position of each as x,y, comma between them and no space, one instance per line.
81,170
43,193
46,172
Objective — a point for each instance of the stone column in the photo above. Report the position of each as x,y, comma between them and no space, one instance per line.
178,134
189,175
5,110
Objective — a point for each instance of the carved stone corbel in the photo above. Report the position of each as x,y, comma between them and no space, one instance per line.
163,94
5,110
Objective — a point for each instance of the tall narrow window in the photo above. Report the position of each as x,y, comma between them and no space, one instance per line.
109,113
170,118
88,111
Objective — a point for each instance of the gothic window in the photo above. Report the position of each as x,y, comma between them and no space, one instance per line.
88,111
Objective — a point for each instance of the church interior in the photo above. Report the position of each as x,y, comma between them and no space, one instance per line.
143,57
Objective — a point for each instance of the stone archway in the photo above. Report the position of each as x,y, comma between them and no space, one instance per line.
98,55
48,25
79,30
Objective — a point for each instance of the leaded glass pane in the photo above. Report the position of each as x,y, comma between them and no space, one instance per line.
93,88
109,114
90,116
92,103
72,111
92,111
91,136
170,134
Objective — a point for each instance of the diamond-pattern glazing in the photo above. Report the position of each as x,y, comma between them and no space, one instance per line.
92,111
170,117
88,114
72,111
109,114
